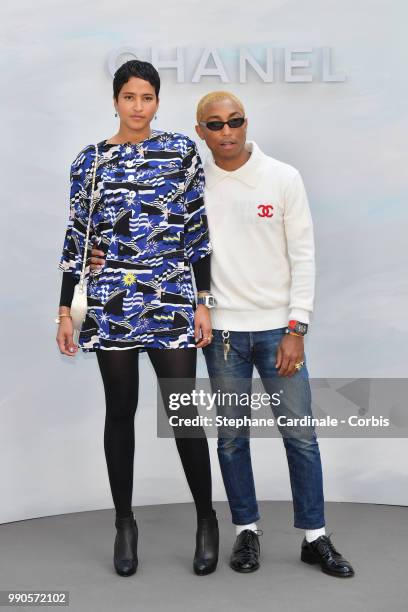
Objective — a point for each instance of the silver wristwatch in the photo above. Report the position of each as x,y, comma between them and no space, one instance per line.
207,300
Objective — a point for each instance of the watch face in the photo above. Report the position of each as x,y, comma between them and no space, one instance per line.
207,300
301,328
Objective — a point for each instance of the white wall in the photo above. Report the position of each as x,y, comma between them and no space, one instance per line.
347,140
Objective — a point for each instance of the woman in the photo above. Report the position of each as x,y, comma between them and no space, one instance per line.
150,221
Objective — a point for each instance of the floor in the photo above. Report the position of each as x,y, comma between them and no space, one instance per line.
73,552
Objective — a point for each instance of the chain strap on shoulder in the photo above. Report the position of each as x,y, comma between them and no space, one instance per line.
91,207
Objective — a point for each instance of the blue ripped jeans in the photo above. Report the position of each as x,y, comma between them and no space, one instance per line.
249,349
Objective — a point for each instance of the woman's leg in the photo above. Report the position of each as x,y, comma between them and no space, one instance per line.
194,454
119,370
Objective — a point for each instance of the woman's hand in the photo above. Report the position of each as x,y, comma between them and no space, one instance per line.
202,326
65,337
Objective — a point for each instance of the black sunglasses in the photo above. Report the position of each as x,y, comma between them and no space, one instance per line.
215,126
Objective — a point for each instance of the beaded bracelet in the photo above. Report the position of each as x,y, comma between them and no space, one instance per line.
292,333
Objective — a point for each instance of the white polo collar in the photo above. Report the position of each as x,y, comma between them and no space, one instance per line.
247,174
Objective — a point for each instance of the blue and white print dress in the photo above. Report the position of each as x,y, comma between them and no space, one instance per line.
149,219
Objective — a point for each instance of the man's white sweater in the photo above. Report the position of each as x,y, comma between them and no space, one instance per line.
262,266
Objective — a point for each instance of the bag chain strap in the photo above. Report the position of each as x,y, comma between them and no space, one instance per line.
91,207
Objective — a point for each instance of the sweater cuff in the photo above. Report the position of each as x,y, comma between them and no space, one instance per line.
298,314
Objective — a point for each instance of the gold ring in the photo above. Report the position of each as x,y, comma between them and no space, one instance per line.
299,365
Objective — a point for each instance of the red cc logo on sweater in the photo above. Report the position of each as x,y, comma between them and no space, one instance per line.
265,210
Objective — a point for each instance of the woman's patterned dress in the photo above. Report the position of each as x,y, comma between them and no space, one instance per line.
149,219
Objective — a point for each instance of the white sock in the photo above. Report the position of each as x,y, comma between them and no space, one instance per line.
251,526
313,534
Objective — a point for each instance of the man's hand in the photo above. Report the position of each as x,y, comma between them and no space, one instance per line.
290,351
97,260
202,326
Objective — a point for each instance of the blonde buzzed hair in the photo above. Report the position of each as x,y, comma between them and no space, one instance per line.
216,96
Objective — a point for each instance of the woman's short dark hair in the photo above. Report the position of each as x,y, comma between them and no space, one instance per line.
139,69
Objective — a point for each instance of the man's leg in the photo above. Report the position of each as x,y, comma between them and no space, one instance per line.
302,451
234,375
230,376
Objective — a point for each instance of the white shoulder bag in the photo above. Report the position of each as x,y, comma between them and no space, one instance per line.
79,304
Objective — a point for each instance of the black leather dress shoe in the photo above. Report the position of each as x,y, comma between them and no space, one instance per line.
125,549
207,544
322,551
245,553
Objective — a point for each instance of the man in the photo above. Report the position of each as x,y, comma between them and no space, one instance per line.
262,278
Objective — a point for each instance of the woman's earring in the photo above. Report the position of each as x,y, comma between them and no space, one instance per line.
155,116
116,114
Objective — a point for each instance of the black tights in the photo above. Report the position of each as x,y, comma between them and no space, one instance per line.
120,375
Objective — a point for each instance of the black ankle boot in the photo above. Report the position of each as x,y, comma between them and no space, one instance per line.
125,550
207,544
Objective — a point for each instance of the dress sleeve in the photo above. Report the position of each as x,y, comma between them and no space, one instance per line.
74,241
67,289
197,239
202,273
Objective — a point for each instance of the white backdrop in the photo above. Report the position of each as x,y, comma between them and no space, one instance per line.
347,140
